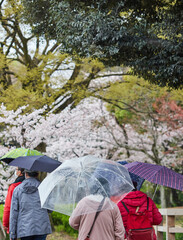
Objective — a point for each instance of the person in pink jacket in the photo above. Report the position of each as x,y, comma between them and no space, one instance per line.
136,199
108,225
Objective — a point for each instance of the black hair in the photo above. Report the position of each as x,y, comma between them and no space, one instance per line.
100,186
135,186
22,170
32,173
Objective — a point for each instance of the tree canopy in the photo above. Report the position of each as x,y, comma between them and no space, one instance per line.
32,69
145,35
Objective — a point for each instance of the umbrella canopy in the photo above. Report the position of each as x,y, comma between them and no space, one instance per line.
36,163
18,152
134,177
81,177
157,174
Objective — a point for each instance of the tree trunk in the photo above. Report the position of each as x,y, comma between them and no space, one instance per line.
162,196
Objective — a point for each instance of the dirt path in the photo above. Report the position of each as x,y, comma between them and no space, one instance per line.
60,236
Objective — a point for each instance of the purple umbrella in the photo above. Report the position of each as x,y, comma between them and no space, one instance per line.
36,163
134,177
157,174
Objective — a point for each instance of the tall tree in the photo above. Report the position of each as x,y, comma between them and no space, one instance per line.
34,70
28,61
145,35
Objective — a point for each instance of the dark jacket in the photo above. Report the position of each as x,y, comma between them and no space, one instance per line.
27,218
136,199
6,212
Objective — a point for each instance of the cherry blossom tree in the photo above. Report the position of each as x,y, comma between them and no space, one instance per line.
90,128
6,174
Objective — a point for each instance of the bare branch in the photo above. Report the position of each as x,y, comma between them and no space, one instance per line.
1,2
55,68
46,47
9,72
17,59
12,41
29,38
64,69
112,75
53,48
116,102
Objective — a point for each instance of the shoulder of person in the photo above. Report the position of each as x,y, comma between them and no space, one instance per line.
17,189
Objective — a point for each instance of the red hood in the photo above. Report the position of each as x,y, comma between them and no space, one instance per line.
135,198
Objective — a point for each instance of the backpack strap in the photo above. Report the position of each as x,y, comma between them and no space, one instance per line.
137,211
96,215
125,206
147,203
127,212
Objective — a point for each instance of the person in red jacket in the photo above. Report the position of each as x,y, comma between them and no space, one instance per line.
19,173
136,199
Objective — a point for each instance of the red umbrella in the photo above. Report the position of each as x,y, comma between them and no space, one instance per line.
157,174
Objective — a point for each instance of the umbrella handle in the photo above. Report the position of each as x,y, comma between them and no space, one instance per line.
155,192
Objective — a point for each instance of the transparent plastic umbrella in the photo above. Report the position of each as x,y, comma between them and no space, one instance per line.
87,176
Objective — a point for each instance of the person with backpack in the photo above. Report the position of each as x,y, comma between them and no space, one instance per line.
139,214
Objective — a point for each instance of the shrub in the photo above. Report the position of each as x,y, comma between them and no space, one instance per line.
1,212
61,223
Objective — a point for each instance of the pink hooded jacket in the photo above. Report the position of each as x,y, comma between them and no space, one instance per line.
108,225
137,198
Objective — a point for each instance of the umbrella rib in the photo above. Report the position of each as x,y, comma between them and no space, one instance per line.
115,173
102,186
167,178
54,184
141,174
77,184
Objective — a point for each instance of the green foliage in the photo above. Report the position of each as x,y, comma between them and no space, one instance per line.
152,189
123,116
61,223
3,61
28,62
145,35
135,92
131,97
178,236
35,75
1,212
56,217
149,189
1,218
15,97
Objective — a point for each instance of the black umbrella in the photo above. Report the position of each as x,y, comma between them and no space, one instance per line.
36,163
